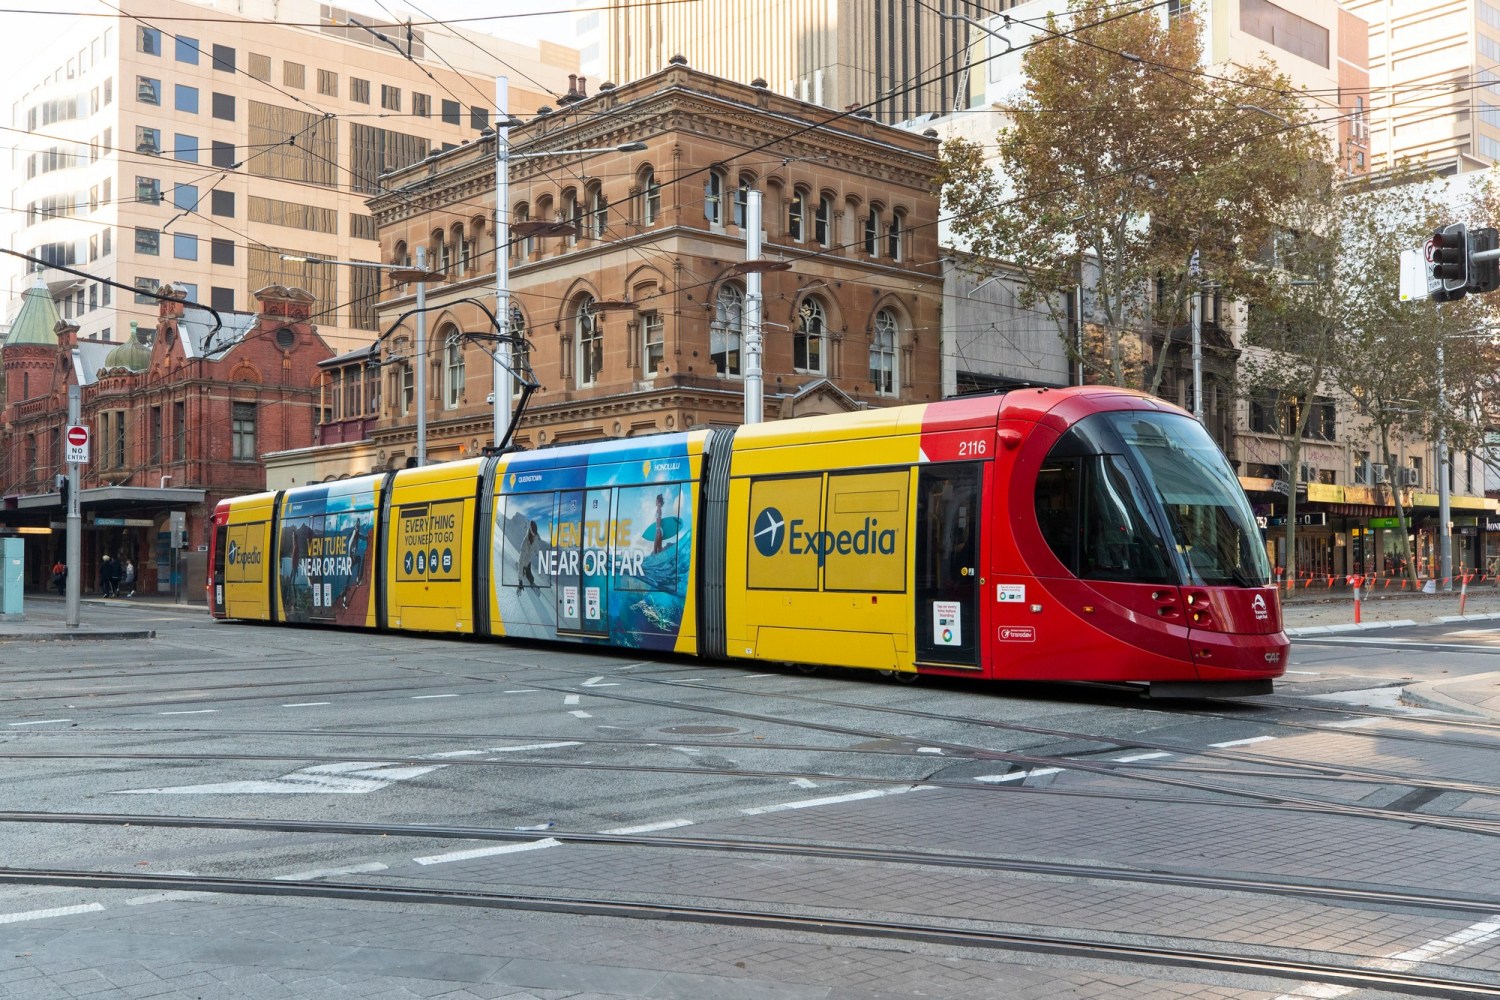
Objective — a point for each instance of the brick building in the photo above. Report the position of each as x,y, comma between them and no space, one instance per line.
635,314
179,416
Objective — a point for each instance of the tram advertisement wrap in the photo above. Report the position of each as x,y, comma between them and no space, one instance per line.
611,561
324,544
428,540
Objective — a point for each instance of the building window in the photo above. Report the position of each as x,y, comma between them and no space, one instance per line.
520,350
148,190
185,197
421,105
872,232
742,202
187,50
116,443
364,293
523,247
598,212
259,67
154,436
822,227
653,339
572,213
713,198
223,107
328,83
145,291
451,112
242,419
223,58
589,326
185,99
294,75
807,343
179,431
148,140
796,209
221,251
390,97
147,241
221,298
408,388
221,203
147,90
222,154
453,369
147,40
883,354
893,237
359,90
479,118
727,332
650,197
185,148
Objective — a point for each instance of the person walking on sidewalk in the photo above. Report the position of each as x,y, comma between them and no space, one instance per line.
106,577
129,577
60,577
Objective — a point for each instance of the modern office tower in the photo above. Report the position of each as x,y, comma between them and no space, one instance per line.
202,145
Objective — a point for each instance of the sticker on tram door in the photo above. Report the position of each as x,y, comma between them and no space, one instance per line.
1017,633
947,623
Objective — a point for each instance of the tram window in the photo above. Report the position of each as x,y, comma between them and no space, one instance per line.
1119,541
1057,510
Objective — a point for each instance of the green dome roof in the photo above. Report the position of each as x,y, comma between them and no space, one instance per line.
37,321
134,354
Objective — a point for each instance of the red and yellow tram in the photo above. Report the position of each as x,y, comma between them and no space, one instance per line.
1085,534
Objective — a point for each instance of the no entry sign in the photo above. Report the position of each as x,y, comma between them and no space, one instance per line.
77,438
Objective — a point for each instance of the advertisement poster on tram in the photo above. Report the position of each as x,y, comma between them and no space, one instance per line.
324,547
602,552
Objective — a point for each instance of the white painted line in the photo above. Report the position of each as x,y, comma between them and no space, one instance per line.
521,691
59,911
306,704
373,866
571,699
751,677
1307,673
580,715
1158,755
936,750
535,746
666,824
599,682
485,852
170,896
873,793
458,753
1475,934
39,722
804,783
1349,723
425,697
196,711
995,779
1243,743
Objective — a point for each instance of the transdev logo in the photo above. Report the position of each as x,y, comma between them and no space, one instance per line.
769,532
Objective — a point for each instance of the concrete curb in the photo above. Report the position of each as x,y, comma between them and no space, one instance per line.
77,636
1309,630
1428,695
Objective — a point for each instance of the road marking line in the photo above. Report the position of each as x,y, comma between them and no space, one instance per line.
666,824
170,896
424,697
1018,775
457,753
580,715
535,746
196,711
1158,755
804,783
522,691
599,682
306,704
1474,934
59,911
1307,673
1243,743
1349,723
39,722
484,852
872,793
571,699
751,677
936,750
373,866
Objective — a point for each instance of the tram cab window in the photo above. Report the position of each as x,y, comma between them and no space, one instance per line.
1095,519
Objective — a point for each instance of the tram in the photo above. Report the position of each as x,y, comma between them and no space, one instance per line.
1083,534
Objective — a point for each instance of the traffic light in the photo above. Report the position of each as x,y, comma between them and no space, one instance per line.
63,485
1484,275
1450,261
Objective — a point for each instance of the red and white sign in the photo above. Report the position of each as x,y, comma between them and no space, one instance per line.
1017,633
77,448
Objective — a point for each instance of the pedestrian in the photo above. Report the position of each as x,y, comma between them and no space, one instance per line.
130,576
105,571
60,577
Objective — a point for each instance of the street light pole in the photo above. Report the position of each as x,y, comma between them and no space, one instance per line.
503,354
73,561
755,409
421,353
1445,520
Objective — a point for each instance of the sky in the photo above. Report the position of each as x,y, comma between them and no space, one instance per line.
26,27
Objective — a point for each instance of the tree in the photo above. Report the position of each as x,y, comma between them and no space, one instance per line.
1123,154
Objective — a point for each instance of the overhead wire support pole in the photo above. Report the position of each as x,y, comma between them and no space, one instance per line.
73,561
503,354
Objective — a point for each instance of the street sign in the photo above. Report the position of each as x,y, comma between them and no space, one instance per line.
1416,280
77,448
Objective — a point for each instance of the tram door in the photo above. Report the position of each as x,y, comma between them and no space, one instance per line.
947,564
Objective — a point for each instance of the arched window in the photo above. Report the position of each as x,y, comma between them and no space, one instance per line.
460,253
727,331
883,354
572,213
520,349
742,199
823,221
807,343
441,254
598,223
400,255
522,247
650,197
453,367
588,327
872,232
796,215
544,213
893,237
713,198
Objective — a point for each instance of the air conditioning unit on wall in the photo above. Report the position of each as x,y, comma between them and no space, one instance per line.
1380,473
1411,477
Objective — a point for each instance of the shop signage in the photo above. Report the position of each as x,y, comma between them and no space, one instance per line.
1491,524
123,522
1385,522
1309,520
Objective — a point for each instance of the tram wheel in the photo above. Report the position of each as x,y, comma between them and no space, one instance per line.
902,676
807,668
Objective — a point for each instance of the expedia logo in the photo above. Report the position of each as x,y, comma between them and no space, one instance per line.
771,529
239,557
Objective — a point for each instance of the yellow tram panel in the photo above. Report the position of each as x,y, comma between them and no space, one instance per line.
429,554
247,560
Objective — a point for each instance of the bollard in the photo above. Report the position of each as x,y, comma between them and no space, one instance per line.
1463,593
1356,582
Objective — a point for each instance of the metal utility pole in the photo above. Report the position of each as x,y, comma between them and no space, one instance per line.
74,557
502,394
1197,314
754,388
421,359
1445,519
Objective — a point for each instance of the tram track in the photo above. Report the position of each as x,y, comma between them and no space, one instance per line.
1249,961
